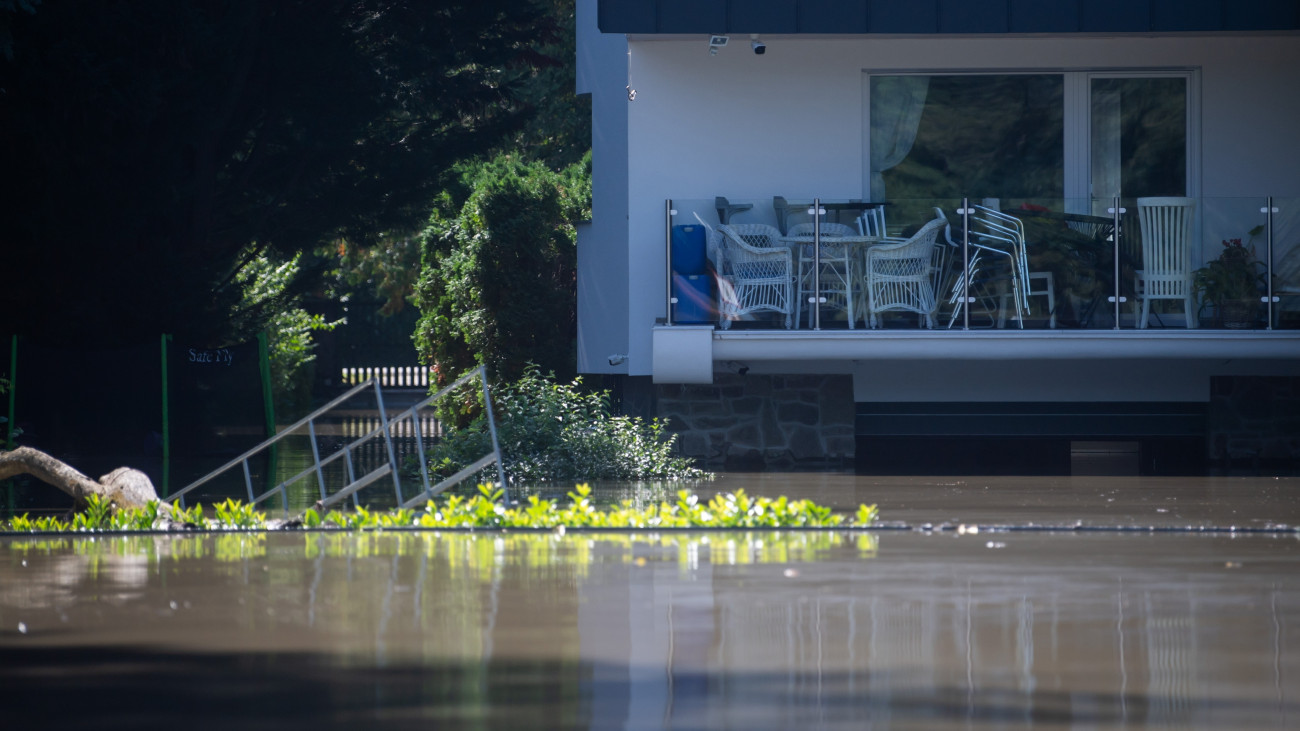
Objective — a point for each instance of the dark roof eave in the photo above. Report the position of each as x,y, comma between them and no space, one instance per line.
945,17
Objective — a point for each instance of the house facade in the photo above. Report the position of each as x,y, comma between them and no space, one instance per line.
1049,136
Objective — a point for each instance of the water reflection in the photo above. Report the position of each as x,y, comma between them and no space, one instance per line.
683,629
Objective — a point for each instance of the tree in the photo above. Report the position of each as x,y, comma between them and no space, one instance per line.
499,279
555,130
153,149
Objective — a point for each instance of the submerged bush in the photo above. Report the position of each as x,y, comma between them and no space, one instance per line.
557,431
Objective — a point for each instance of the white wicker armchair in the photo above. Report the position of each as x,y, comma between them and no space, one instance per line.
899,276
761,277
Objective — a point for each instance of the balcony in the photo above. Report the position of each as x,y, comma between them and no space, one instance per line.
838,280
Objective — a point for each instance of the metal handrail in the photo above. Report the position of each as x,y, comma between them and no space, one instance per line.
385,428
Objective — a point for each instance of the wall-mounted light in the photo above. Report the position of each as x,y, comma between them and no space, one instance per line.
716,42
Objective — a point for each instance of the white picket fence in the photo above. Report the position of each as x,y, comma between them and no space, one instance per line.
388,376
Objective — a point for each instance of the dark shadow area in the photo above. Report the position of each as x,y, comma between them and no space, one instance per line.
135,688
1046,456
878,455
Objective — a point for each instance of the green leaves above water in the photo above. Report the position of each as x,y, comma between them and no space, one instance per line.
485,510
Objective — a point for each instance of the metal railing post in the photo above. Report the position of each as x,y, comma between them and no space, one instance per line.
965,263
1269,298
315,456
419,450
248,482
816,300
1116,211
388,442
668,263
492,429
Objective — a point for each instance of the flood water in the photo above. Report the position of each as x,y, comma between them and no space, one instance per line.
961,619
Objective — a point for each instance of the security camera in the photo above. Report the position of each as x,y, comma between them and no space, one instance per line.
617,359
759,47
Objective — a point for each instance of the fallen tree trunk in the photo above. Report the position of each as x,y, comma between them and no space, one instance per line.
124,487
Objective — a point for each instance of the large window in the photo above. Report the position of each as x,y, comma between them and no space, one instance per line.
1030,136
975,136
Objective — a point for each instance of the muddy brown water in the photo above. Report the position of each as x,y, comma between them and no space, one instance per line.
961,625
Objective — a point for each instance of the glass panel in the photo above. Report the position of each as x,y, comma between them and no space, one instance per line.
1286,263
731,266
986,136
1228,279
1034,264
903,271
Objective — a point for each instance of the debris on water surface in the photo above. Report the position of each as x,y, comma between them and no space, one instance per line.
995,544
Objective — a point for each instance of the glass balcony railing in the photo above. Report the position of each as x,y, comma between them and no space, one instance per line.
970,264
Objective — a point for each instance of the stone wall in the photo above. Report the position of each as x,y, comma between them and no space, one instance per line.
754,422
1255,419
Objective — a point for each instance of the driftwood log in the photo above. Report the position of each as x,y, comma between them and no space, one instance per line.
124,487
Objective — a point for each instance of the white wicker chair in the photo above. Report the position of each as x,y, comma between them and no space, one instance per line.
761,277
899,276
837,270
1166,271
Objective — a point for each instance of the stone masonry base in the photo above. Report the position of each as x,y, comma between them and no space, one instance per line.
755,422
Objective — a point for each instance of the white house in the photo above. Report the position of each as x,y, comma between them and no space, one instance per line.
1058,116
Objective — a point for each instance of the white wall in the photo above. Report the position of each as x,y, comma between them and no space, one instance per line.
603,301
790,122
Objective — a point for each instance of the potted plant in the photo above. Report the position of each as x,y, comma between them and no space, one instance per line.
1232,283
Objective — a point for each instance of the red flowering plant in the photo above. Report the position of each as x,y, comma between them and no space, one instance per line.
1235,278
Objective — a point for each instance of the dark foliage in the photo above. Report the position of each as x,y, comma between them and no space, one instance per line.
153,147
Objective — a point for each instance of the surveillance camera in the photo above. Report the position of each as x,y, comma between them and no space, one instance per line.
759,47
617,359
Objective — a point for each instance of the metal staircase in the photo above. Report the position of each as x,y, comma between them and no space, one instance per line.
356,459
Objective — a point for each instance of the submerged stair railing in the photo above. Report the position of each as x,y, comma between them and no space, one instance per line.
372,452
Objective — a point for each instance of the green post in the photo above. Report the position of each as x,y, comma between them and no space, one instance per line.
166,423
9,425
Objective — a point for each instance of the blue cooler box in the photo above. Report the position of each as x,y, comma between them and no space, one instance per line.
695,301
688,250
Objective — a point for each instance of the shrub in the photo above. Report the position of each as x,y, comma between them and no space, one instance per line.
558,431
